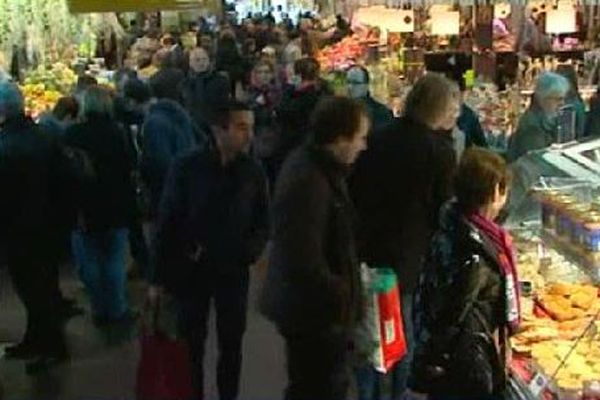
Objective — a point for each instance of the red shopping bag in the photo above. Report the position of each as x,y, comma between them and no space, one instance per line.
387,317
164,370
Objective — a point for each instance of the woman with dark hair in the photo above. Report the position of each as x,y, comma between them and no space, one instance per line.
230,60
64,113
106,202
312,291
467,303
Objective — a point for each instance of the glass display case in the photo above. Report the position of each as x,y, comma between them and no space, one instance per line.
554,217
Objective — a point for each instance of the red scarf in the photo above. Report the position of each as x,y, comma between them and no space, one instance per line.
502,241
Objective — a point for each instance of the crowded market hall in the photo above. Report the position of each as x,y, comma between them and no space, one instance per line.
299,199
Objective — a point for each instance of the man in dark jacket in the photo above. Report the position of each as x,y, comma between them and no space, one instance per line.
399,185
203,90
312,291
165,83
29,162
358,80
297,105
213,224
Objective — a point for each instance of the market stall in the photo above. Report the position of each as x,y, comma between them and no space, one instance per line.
555,221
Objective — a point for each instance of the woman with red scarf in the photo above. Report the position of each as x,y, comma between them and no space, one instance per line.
467,304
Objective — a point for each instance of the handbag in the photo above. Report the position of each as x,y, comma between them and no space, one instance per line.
164,369
382,334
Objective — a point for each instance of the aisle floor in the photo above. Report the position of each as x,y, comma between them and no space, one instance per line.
103,363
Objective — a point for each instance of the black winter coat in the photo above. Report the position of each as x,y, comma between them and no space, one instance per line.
219,213
203,94
460,309
31,178
106,199
293,116
398,186
313,280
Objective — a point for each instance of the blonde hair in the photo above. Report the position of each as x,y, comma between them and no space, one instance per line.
430,98
97,100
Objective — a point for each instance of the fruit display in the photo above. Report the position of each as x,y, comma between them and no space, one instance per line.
44,86
39,99
340,56
57,77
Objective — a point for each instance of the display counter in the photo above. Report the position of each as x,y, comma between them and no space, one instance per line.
555,224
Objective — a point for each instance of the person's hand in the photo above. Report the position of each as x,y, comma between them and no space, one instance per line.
154,294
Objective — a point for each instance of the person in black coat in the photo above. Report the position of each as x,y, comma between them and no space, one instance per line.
399,185
467,303
312,290
106,204
296,106
166,82
30,163
213,224
203,91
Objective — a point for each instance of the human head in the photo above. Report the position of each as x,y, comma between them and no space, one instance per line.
12,104
568,71
482,182
550,92
307,69
340,124
137,91
84,82
357,79
233,126
269,54
122,76
161,58
66,109
263,73
434,102
97,102
199,60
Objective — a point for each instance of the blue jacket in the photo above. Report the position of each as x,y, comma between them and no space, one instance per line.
167,133
468,122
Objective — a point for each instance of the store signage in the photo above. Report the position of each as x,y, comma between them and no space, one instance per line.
445,23
86,6
562,20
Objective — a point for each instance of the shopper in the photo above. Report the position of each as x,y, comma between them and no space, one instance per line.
63,115
229,60
398,186
312,291
297,105
468,121
213,224
358,80
573,99
165,82
168,132
467,304
106,201
538,126
29,163
264,96
203,90
592,126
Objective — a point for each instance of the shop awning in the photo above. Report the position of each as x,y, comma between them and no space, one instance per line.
87,6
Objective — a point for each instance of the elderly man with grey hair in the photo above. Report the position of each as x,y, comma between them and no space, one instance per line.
538,126
28,166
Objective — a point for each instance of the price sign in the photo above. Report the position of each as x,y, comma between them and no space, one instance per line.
538,384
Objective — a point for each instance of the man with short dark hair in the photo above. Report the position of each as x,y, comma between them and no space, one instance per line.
213,224
312,291
358,80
